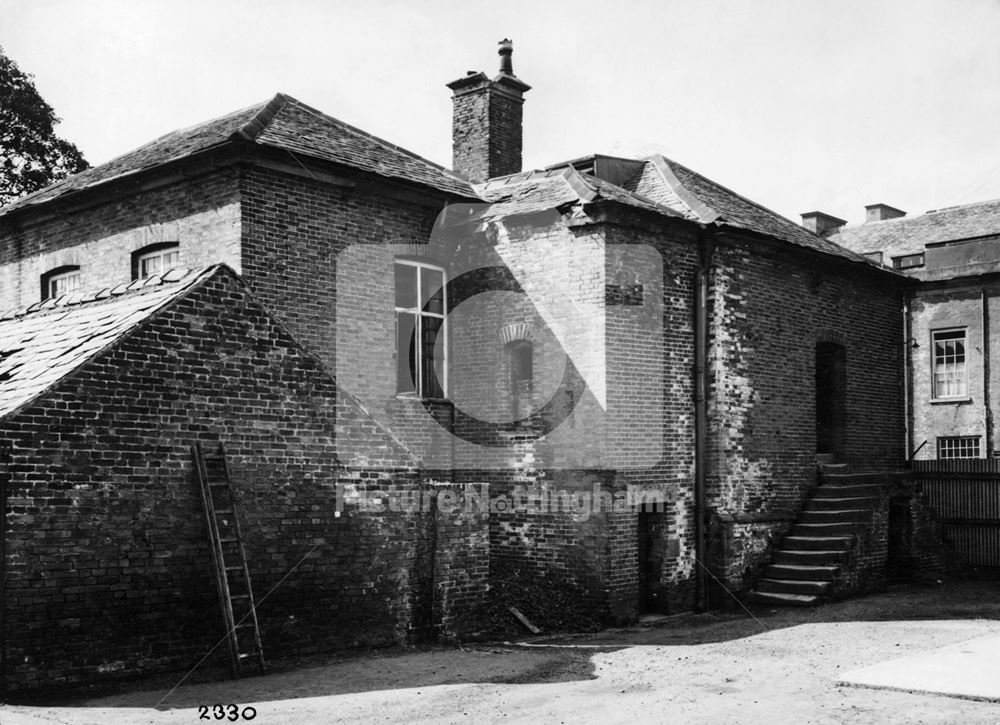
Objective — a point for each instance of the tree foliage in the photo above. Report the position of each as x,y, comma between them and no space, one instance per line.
31,155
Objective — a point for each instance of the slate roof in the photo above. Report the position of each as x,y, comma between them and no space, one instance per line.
535,191
909,235
41,345
283,123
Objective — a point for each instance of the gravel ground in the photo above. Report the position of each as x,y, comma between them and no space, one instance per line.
777,666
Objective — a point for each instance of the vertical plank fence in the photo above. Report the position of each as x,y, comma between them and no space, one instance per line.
965,495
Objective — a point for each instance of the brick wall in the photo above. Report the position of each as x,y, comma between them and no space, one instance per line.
201,213
107,568
768,310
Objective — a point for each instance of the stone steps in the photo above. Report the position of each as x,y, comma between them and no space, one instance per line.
801,571
834,516
784,599
811,558
793,586
815,557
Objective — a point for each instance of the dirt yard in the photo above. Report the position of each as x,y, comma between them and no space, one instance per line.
711,668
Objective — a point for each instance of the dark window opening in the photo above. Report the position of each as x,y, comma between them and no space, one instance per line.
831,403
521,356
61,281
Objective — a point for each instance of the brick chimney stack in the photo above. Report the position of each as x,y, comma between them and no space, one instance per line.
822,224
486,124
881,212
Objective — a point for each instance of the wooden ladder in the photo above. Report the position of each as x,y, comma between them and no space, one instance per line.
232,576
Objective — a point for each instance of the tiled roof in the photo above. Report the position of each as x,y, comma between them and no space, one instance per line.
283,123
534,191
41,345
712,202
909,235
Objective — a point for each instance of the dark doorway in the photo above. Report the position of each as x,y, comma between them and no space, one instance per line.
831,384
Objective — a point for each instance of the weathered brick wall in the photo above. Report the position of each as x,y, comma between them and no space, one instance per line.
107,572
768,310
320,257
201,213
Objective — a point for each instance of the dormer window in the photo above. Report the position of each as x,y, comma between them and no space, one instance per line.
155,259
60,281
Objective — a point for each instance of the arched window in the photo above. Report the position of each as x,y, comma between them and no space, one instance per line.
60,281
155,259
520,354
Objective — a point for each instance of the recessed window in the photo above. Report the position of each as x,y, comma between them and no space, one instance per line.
949,373
958,447
60,281
908,261
421,306
155,259
522,374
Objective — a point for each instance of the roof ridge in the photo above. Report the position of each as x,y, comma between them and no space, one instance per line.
174,275
697,207
252,128
372,137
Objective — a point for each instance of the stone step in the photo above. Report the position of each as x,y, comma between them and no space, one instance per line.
834,490
816,543
800,571
841,528
830,516
814,557
872,478
827,468
792,586
783,599
859,502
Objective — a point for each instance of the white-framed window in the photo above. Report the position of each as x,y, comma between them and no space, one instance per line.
958,447
949,373
155,259
61,281
421,308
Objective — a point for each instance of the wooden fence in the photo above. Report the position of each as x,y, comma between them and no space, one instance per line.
965,495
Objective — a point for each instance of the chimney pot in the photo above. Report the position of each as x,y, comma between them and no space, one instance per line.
506,50
822,224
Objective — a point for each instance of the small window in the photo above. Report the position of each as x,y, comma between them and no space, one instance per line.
155,259
908,261
520,354
421,306
949,374
60,281
958,447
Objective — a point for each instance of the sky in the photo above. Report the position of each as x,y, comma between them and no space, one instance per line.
800,105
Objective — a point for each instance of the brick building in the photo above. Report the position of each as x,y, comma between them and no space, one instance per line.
952,319
641,363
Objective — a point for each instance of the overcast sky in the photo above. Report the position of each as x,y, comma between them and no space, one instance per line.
797,104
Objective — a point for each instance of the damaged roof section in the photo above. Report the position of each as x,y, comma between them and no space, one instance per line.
48,341
282,123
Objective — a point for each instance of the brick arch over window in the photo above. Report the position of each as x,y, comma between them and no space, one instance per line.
155,259
831,336
60,280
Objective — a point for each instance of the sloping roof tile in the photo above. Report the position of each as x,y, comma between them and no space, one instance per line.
282,123
909,235
40,347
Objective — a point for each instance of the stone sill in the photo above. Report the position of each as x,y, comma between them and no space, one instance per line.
944,401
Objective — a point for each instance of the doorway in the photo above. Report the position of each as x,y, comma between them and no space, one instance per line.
831,388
